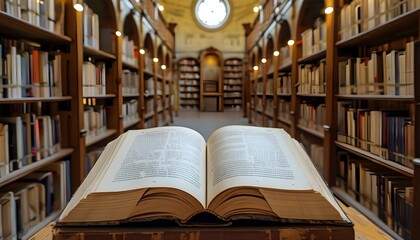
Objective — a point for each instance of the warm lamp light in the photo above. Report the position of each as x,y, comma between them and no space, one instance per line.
255,9
276,53
141,51
263,60
118,33
163,67
290,42
255,68
155,59
161,8
78,7
328,10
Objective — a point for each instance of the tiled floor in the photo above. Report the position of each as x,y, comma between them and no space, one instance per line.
207,122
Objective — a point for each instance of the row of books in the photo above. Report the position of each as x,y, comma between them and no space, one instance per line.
312,116
284,110
285,56
189,88
384,73
388,195
91,158
130,111
362,15
314,39
149,86
189,82
38,13
90,27
188,75
232,94
232,75
130,82
148,63
188,68
227,81
149,106
233,62
284,83
130,52
26,72
385,133
312,78
233,68
25,203
188,95
237,88
94,118
316,152
27,139
94,78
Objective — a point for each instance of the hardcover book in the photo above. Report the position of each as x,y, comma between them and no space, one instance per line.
171,173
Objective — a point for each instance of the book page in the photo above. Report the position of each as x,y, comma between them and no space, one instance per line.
170,157
251,156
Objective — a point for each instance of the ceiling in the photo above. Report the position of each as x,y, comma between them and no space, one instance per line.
192,38
241,10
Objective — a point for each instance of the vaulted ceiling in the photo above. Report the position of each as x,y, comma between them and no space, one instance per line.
191,37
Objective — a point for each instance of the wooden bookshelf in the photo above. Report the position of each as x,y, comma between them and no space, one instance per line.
233,83
381,34
189,83
70,42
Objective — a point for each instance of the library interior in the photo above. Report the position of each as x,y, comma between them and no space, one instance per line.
209,119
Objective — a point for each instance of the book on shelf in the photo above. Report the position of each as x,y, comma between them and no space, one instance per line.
8,215
242,173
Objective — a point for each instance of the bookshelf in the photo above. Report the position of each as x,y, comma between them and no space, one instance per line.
130,78
71,85
233,83
189,83
353,100
34,101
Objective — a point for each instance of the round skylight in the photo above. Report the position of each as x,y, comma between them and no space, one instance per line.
212,13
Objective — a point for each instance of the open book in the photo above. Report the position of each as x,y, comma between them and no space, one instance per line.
243,172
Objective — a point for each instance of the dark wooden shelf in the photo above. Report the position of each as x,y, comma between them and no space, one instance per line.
402,25
212,94
317,95
376,97
131,95
130,66
285,121
131,123
97,54
313,57
95,139
15,175
311,131
286,67
376,159
149,115
284,94
35,99
147,73
17,28
105,96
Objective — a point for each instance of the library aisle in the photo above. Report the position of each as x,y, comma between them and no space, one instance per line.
207,122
